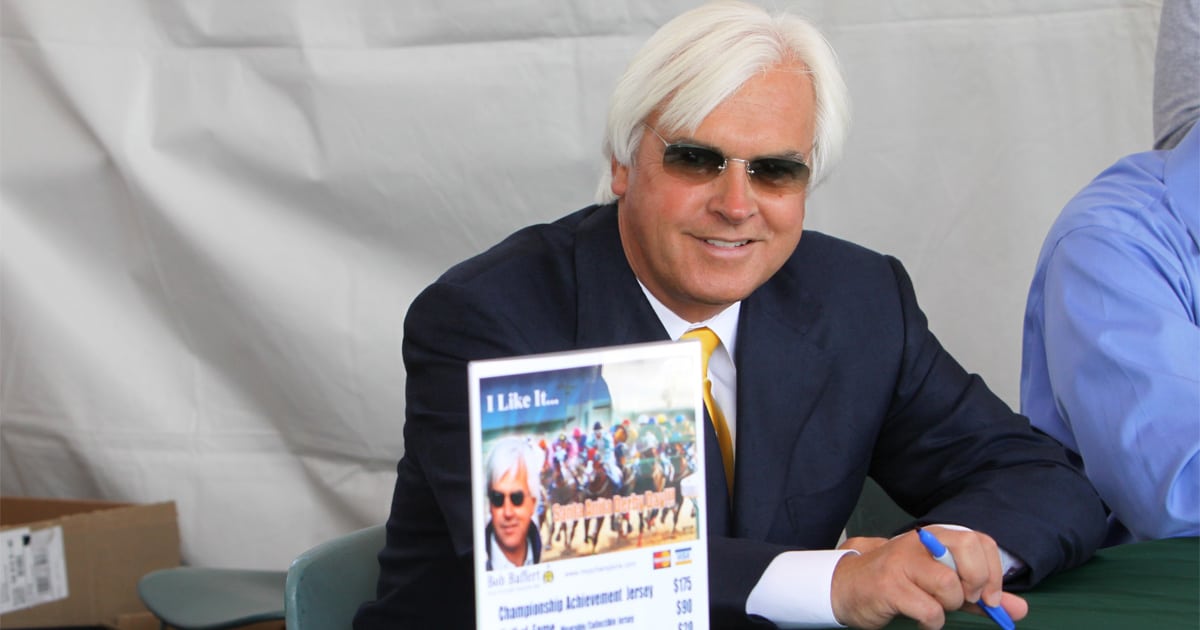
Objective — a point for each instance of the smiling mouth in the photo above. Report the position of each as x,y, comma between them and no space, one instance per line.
725,244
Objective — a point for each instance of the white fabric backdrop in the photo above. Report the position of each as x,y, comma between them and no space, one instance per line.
215,214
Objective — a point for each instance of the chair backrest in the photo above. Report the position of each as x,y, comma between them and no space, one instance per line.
326,584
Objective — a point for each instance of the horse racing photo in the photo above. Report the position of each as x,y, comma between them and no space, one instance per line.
588,460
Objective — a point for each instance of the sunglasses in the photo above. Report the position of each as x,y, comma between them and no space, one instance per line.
700,165
497,498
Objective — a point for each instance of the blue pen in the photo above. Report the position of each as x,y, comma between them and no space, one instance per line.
942,554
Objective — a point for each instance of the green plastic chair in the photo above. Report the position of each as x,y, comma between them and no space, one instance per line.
199,598
326,584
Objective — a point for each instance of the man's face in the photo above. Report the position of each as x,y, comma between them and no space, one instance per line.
701,246
511,522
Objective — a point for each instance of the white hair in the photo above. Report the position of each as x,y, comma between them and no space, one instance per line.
509,453
702,57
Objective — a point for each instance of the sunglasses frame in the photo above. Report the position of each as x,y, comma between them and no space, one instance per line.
756,175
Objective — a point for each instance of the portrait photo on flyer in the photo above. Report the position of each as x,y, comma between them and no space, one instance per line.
588,489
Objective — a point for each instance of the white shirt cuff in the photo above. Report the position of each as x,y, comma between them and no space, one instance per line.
795,590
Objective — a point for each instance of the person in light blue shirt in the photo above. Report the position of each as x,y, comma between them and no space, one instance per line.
1111,355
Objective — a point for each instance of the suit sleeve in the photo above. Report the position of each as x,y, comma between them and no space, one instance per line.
426,566
952,451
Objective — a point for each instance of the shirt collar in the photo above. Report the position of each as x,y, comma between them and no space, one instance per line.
725,323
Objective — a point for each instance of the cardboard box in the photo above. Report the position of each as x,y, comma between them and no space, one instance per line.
77,563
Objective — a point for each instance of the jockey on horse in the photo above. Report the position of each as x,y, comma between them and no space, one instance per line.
602,449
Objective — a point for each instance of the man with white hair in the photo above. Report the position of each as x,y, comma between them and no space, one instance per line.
513,494
823,370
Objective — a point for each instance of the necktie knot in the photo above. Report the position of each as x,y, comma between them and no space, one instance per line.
708,342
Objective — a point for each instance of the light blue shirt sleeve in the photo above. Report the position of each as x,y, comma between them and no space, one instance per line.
1123,360
1110,364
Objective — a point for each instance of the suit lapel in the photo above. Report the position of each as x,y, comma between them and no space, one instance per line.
781,373
612,308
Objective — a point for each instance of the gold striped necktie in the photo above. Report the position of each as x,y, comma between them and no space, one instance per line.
708,343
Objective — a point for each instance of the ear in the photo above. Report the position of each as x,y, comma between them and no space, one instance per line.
620,178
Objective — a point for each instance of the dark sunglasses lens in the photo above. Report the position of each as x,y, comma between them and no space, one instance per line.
780,173
692,162
497,498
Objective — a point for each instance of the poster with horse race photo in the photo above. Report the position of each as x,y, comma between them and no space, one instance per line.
587,473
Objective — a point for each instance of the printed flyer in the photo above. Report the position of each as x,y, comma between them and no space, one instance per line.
588,483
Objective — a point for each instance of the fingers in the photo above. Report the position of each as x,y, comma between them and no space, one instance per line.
870,589
978,563
1014,605
900,577
940,583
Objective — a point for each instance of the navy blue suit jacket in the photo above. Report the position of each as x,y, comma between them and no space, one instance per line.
838,378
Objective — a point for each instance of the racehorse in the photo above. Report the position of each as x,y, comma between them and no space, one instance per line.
682,465
598,484
562,488
649,476
661,467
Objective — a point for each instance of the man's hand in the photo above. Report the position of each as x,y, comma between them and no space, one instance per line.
899,577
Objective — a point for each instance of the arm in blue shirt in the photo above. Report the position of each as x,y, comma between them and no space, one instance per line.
1111,358
1123,359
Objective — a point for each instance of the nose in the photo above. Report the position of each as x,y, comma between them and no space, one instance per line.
734,197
